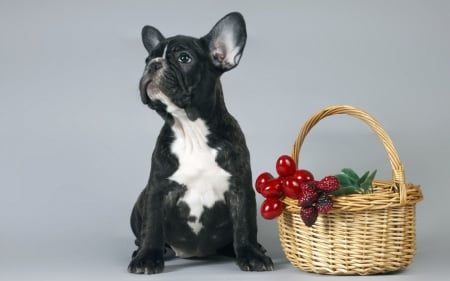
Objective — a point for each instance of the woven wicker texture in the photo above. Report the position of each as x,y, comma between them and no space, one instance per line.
363,233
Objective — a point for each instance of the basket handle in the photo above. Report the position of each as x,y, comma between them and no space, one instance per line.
398,173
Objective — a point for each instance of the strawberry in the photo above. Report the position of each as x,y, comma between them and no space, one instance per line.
308,194
309,215
328,184
324,203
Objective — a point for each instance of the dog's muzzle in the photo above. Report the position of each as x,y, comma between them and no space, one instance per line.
151,75
143,84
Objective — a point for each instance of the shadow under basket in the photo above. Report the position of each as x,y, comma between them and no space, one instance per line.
363,233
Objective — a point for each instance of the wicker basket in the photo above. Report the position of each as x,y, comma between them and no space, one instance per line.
363,233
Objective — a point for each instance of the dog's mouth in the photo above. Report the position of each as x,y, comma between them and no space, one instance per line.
143,86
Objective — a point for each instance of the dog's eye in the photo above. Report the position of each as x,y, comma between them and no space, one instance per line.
147,60
184,58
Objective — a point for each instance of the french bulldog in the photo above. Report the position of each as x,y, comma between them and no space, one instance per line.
199,199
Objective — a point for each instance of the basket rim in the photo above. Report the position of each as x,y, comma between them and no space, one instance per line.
385,196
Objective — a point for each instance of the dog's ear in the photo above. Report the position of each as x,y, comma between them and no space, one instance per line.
151,37
226,41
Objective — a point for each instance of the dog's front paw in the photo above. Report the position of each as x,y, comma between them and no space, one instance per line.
253,259
147,262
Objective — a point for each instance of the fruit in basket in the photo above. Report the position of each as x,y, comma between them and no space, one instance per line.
261,180
309,215
328,184
324,203
303,175
313,197
308,194
285,166
272,189
271,208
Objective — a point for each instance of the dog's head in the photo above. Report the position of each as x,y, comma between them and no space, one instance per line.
182,73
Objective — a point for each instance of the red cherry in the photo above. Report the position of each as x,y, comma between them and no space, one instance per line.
272,189
271,208
303,175
285,166
291,187
261,180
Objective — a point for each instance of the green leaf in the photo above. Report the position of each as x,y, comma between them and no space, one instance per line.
344,190
350,182
351,174
372,176
368,182
365,187
344,180
363,178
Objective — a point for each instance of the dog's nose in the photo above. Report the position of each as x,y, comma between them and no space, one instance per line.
154,66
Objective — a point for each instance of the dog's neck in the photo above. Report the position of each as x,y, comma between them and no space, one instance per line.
212,113
216,112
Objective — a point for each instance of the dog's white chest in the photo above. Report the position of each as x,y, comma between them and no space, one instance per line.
205,181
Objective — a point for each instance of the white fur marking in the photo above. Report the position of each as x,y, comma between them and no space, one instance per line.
164,53
170,107
205,181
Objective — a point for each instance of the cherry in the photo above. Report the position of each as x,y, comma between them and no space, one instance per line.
261,180
303,175
271,208
272,189
285,166
291,187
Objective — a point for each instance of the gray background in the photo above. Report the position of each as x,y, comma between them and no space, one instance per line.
76,140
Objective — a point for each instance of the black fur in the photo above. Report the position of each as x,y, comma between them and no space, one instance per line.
159,220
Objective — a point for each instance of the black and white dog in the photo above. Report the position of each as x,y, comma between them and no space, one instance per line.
199,199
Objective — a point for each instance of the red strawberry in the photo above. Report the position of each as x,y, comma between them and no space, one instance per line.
309,215
308,194
324,203
328,184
